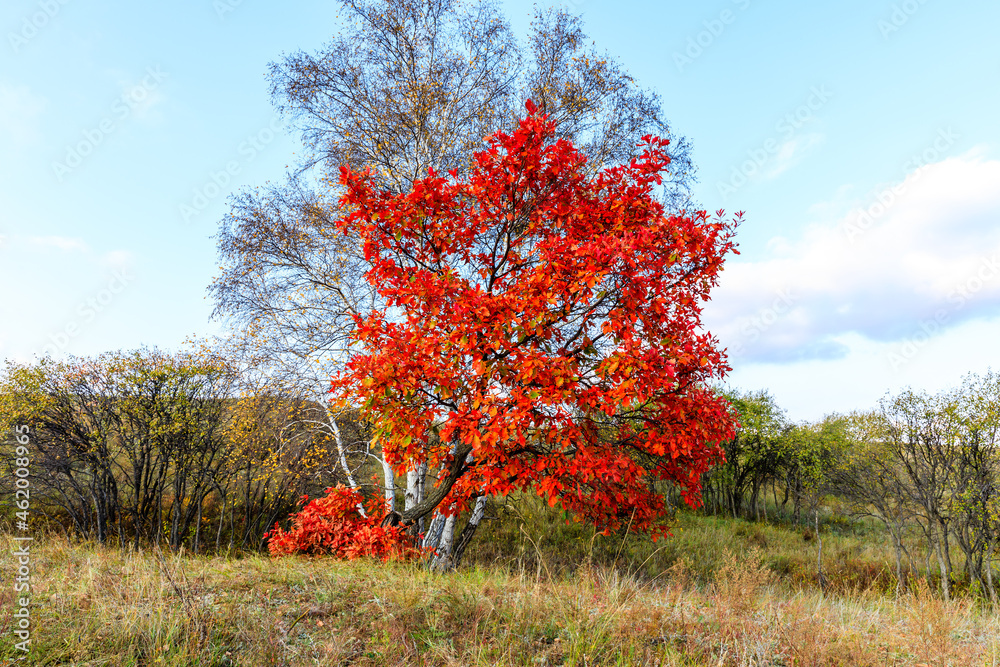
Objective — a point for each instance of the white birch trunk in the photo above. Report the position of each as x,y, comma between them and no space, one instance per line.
442,561
342,452
421,481
478,512
412,497
433,535
390,486
421,486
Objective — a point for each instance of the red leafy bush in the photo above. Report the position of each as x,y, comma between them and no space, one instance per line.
335,526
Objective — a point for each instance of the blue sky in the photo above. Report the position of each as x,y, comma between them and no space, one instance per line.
861,139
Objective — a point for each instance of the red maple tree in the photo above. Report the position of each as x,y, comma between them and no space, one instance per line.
542,331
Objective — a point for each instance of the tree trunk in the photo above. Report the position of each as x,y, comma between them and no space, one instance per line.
819,555
945,583
432,499
433,535
390,487
898,549
342,451
478,511
421,491
946,544
412,495
443,558
989,575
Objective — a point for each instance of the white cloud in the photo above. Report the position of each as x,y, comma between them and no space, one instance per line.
927,252
813,388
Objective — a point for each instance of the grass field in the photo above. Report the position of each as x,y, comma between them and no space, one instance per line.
533,592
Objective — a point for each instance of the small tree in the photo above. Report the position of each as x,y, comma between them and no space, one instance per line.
755,455
871,478
541,332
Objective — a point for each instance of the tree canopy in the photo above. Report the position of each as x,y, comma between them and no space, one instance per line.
540,330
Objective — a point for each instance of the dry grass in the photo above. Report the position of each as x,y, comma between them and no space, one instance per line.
95,606
530,537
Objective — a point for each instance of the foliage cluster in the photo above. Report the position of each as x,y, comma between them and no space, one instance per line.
150,448
540,331
769,453
341,525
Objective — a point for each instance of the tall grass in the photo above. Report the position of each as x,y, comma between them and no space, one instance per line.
526,535
535,592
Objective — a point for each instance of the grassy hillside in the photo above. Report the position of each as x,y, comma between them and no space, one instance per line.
721,592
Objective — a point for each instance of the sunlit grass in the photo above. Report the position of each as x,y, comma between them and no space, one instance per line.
719,592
